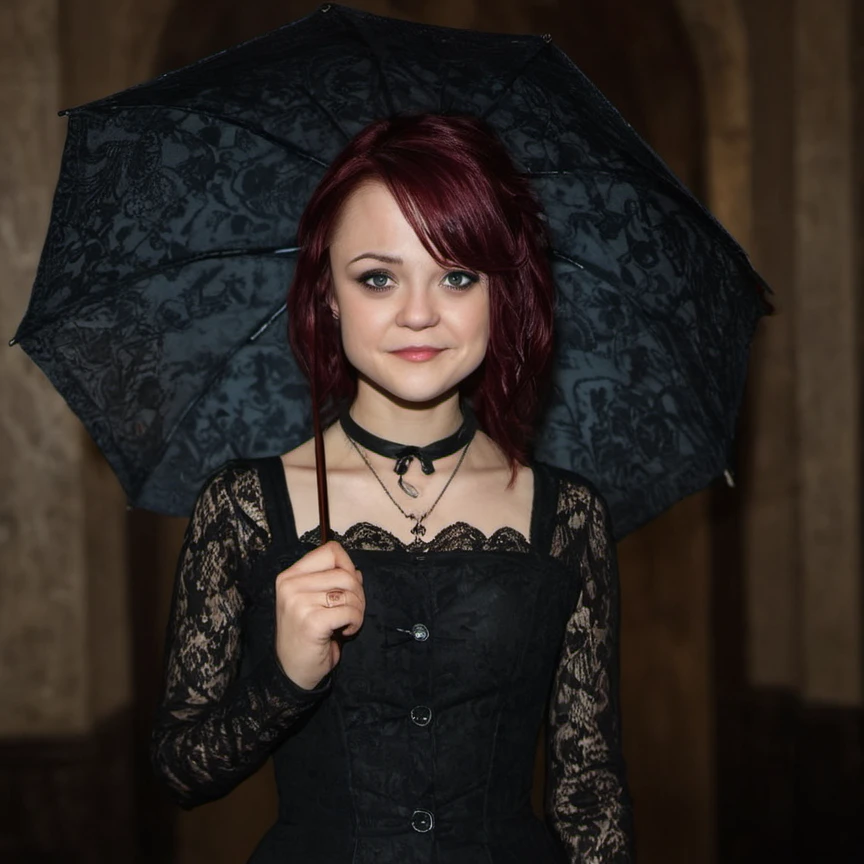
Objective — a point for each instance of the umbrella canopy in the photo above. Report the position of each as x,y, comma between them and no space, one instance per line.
158,309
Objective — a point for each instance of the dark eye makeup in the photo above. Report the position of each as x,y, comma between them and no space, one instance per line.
377,280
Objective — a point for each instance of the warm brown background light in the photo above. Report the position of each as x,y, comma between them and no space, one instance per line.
743,610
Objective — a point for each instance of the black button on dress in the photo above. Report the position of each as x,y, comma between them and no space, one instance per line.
421,715
419,745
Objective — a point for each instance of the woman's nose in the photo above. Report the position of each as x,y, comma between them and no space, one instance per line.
418,309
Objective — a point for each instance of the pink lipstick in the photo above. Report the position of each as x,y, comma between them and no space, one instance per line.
418,353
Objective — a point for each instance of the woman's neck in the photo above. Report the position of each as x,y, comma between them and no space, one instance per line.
416,425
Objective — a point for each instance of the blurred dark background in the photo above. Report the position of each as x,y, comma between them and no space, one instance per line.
742,608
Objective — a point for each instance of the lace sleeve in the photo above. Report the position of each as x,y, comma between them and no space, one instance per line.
214,728
587,800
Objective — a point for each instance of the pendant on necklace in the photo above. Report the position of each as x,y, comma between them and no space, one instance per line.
418,530
407,488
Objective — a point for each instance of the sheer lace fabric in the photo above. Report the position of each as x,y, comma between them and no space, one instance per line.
216,725
587,801
458,537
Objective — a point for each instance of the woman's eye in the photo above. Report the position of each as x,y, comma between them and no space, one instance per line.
460,279
379,280
375,280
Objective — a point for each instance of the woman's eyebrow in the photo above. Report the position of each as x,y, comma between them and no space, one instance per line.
378,256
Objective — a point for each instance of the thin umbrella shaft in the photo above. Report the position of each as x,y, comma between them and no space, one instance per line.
320,461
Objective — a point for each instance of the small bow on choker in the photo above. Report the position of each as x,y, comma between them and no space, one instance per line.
406,454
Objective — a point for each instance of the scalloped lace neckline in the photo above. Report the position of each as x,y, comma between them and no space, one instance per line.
458,537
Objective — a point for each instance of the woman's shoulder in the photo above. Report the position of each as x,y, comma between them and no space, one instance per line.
235,475
236,490
577,501
570,484
579,514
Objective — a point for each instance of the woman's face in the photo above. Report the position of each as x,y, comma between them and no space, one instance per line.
409,326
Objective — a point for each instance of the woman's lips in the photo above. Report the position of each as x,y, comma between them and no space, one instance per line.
418,354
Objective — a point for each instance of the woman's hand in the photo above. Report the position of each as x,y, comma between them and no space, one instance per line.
315,597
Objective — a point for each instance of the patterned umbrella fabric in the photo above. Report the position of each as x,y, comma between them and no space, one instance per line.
158,309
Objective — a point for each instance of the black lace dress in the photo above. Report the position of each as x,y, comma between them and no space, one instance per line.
419,745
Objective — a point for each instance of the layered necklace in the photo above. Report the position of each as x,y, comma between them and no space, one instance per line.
404,454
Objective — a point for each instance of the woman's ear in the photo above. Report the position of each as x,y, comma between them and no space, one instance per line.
332,302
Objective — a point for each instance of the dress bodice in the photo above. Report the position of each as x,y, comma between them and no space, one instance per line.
419,745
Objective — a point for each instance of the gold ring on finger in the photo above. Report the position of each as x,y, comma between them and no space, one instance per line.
334,598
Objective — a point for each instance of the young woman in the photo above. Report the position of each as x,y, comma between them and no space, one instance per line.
399,674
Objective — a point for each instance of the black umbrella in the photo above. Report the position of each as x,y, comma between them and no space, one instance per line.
158,307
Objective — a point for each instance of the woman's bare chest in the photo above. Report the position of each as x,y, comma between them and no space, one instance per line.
482,499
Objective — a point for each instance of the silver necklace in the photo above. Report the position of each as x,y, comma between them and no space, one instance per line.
419,528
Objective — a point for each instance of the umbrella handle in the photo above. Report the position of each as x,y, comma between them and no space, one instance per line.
320,472
320,462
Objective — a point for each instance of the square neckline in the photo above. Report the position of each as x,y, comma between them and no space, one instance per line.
541,484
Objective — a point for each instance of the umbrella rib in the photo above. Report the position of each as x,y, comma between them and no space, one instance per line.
260,331
621,174
668,174
554,253
442,89
208,385
84,302
680,193
334,122
599,171
388,98
544,44
649,317
232,121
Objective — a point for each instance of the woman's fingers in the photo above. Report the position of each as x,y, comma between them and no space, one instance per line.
322,580
330,556
348,615
305,595
318,595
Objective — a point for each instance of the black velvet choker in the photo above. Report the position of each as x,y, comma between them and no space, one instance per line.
404,453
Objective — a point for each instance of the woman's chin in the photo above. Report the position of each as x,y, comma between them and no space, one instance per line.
411,393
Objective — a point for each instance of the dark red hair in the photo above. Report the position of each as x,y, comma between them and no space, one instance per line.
459,190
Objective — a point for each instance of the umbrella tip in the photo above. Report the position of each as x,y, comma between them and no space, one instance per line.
13,342
729,479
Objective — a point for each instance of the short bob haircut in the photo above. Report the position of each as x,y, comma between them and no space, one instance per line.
460,192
